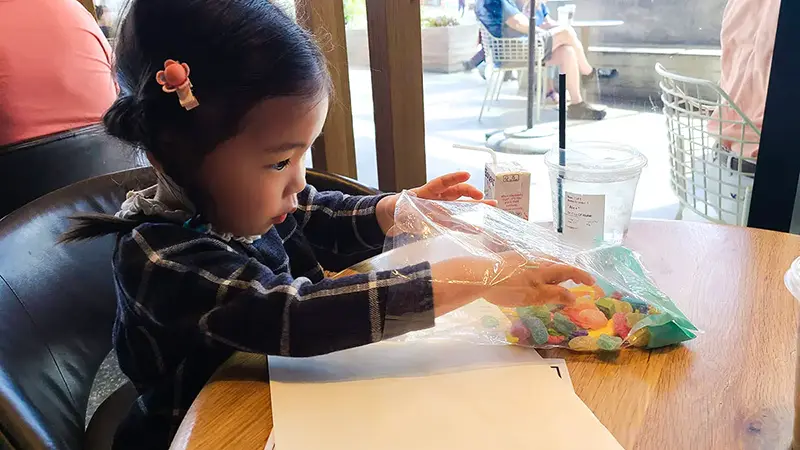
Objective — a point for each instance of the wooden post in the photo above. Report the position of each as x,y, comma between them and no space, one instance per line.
395,52
334,151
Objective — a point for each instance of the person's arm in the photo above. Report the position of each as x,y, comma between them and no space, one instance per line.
234,300
514,17
339,223
347,224
549,23
519,23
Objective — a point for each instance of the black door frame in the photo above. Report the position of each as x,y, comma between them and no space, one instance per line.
776,182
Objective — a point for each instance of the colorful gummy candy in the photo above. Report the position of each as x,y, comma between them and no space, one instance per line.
621,327
563,325
584,344
609,343
578,333
592,319
606,305
539,334
541,312
638,305
595,322
639,338
607,329
622,307
519,331
633,319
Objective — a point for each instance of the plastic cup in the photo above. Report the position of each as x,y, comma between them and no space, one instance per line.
598,186
792,280
563,15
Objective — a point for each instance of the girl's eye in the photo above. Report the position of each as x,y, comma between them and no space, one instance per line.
281,165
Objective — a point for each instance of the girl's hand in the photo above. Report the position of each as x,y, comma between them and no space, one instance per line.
510,281
449,187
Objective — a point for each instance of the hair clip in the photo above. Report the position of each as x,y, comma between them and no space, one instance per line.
175,78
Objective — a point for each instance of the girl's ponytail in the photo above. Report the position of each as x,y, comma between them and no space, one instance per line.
91,226
125,120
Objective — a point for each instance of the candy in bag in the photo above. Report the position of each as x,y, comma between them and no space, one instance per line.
623,308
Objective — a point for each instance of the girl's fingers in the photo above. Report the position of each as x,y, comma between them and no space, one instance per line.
461,190
439,185
559,273
553,294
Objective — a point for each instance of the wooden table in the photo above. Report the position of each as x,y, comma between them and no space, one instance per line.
731,388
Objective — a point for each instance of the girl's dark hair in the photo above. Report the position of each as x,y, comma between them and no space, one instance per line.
240,52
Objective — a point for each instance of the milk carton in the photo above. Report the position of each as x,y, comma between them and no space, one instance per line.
510,184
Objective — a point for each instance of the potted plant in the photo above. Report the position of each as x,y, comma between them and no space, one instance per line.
446,43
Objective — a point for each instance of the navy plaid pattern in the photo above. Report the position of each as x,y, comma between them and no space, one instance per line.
188,300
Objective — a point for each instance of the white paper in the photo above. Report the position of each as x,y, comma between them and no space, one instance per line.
270,441
584,217
471,401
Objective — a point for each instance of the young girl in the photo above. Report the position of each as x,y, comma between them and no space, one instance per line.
225,97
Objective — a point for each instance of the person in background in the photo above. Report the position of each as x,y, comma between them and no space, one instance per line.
55,73
219,255
462,7
747,39
103,19
562,47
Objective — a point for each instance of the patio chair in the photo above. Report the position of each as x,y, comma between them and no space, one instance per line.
504,55
706,169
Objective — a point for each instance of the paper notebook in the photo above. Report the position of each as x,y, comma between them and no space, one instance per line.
418,397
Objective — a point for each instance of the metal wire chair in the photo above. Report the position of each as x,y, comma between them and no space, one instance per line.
504,55
705,166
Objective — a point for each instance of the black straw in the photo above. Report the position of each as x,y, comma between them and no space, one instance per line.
532,58
562,145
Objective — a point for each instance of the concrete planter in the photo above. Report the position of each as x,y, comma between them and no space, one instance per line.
443,48
357,47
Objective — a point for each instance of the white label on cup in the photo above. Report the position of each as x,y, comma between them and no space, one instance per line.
584,217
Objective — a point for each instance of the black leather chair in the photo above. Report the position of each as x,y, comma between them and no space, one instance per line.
57,305
35,167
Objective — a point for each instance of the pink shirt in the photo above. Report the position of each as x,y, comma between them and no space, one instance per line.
55,68
748,38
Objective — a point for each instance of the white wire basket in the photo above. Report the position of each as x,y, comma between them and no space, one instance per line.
509,52
710,171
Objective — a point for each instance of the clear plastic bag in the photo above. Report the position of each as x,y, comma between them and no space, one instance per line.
495,255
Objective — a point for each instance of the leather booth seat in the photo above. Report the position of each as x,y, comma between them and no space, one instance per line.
35,167
57,306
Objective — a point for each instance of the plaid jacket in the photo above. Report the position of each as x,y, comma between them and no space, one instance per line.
188,300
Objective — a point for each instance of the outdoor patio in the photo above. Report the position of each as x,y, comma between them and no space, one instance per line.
452,103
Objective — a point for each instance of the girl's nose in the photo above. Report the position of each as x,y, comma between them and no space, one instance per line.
298,182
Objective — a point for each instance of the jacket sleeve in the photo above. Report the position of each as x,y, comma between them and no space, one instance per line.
339,223
237,301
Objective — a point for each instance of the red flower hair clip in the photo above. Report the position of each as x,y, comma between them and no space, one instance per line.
175,78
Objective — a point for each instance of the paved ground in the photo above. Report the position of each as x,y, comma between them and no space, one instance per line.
452,103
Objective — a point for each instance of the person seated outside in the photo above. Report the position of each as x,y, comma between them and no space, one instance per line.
747,38
562,47
55,73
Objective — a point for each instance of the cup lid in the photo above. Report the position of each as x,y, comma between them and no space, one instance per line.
792,279
597,157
